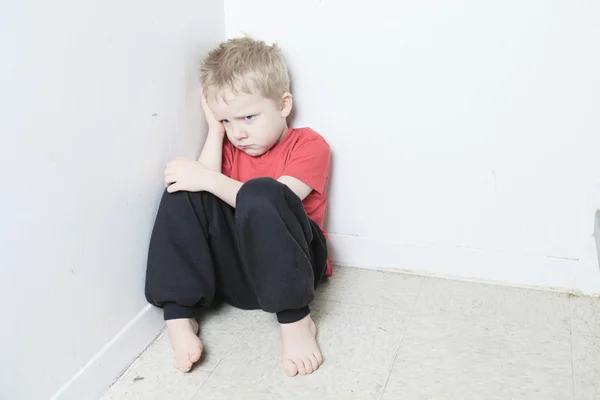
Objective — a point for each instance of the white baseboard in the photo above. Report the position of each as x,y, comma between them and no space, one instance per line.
91,381
471,264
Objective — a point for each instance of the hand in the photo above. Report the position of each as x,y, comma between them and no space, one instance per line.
213,125
183,174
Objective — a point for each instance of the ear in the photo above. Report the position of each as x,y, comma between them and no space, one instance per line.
286,104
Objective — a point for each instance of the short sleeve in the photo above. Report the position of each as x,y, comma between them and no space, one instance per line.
309,162
227,157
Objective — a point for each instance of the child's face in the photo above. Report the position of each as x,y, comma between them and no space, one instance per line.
252,122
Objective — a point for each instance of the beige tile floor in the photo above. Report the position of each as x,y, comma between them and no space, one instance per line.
391,336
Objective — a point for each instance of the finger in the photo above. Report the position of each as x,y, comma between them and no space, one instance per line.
173,188
172,177
169,179
170,171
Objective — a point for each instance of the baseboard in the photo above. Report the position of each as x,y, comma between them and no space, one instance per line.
101,371
597,234
581,276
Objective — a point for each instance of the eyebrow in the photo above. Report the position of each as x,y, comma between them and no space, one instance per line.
241,116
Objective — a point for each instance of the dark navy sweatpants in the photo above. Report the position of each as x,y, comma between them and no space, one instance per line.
264,254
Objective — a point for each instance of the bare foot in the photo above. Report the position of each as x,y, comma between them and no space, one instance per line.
301,354
187,346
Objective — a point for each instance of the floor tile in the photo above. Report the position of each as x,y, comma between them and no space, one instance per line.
497,306
442,360
454,299
359,344
586,367
535,310
462,353
585,315
222,327
152,376
536,365
371,288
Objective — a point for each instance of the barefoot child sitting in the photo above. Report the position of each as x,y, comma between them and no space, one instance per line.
244,223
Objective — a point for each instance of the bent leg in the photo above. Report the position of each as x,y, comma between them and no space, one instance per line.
283,251
285,255
180,274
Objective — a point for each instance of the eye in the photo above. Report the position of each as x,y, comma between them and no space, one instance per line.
224,121
249,117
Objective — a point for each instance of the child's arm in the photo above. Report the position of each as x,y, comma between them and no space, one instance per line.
300,188
223,187
193,176
212,152
227,189
307,170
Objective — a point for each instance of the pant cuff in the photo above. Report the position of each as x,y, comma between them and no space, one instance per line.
291,316
175,311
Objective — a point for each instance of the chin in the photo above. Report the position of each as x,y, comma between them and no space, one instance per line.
254,152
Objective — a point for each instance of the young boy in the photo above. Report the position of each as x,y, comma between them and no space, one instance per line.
244,223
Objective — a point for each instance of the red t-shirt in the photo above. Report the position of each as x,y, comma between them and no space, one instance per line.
302,154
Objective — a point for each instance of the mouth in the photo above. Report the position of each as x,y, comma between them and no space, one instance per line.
245,147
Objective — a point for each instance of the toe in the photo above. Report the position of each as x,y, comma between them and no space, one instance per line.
290,368
308,366
301,367
195,354
319,357
183,367
314,362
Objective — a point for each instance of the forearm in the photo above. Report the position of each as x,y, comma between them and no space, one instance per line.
212,152
223,187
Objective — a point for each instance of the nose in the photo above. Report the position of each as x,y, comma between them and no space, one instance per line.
239,133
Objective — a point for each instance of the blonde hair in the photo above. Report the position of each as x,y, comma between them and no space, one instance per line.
245,65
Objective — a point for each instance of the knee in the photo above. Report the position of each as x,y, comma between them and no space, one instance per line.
175,197
259,193
168,199
182,199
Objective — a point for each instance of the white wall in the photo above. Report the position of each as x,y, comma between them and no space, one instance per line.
475,125
95,98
